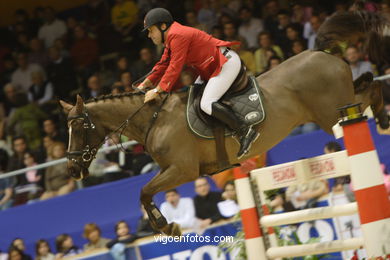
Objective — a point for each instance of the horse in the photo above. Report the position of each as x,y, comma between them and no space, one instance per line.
308,87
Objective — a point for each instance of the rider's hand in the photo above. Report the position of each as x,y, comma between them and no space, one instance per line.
144,84
141,86
150,95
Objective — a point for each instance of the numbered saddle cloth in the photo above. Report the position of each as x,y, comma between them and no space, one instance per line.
246,104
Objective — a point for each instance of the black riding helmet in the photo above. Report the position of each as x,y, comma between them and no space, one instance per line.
158,16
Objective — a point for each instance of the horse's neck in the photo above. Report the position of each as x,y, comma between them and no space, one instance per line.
112,113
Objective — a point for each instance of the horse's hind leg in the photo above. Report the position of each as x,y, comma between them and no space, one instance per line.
163,181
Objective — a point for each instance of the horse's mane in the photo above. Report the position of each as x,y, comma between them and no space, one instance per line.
112,96
343,27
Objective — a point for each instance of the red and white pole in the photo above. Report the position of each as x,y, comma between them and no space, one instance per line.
254,243
367,180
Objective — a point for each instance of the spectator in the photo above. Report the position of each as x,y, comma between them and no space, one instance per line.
60,72
22,76
261,55
297,47
41,90
95,87
386,89
293,33
126,81
97,15
34,177
230,34
52,29
6,189
124,16
305,195
205,202
271,10
57,181
192,21
280,37
217,32
145,63
273,62
15,254
26,120
358,67
22,44
10,101
18,243
38,20
8,68
311,29
144,228
117,88
37,55
16,161
229,206
122,65
60,45
250,27
65,246
43,251
92,233
207,15
117,246
178,210
84,51
51,130
247,57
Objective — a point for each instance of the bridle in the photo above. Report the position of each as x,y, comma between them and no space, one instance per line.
87,154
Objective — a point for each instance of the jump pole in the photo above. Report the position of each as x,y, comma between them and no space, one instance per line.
254,242
367,180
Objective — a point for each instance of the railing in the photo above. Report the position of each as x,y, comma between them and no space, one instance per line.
55,162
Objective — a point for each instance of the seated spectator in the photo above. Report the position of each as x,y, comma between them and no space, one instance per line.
41,90
250,27
217,32
52,29
26,120
34,178
205,203
60,45
65,246
144,228
95,87
43,251
192,21
21,77
178,210
6,184
16,161
117,88
358,67
145,63
117,246
273,62
15,253
261,56
84,51
126,81
92,233
61,74
293,33
122,65
311,29
284,20
50,128
57,180
230,34
18,243
37,54
10,99
229,207
297,47
305,195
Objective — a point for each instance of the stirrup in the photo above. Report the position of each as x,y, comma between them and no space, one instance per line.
245,144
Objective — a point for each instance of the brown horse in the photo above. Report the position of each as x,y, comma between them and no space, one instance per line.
309,87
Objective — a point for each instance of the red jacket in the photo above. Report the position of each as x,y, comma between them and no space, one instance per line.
188,46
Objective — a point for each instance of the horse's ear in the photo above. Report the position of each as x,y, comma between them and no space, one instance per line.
79,104
65,106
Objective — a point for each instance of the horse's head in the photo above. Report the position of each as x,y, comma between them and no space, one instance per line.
84,139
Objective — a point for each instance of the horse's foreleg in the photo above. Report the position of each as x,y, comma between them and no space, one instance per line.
163,181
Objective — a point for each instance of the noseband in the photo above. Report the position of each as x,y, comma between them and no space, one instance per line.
87,154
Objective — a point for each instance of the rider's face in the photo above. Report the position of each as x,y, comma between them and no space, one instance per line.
155,35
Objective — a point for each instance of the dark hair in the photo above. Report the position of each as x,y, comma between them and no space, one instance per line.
39,243
120,222
296,27
172,190
284,12
59,241
32,155
14,248
333,146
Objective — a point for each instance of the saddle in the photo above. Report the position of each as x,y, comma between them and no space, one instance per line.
245,99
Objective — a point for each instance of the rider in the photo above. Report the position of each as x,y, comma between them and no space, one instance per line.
211,58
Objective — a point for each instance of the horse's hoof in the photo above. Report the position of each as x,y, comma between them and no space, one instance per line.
172,229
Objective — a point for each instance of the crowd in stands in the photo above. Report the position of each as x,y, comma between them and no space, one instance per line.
46,56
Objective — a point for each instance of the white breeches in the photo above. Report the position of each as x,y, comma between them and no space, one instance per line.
218,85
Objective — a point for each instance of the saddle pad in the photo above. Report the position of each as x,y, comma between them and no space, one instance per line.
247,105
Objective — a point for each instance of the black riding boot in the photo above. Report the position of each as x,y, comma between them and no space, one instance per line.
245,132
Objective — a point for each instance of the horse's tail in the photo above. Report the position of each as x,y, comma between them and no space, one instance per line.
348,28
